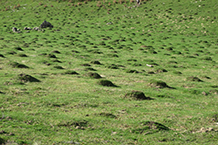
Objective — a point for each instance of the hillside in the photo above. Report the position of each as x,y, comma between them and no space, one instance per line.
108,72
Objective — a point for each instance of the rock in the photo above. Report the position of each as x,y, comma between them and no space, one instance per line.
46,24
36,28
204,130
109,23
27,78
137,95
15,30
210,129
149,65
27,28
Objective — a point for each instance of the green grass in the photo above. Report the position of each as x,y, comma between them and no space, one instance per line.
76,83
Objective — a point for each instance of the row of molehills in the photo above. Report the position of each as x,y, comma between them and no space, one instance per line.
45,24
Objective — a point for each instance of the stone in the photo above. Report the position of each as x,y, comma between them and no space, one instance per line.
36,28
27,28
15,30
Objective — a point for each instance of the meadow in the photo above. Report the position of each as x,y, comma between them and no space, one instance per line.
109,72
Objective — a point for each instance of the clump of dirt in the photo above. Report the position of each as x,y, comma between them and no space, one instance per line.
58,67
56,51
17,65
136,64
56,60
206,77
177,72
215,116
163,96
151,72
95,62
112,55
214,91
207,58
2,141
113,66
51,56
106,83
131,71
194,79
26,78
160,70
154,125
93,75
2,92
12,52
18,48
158,84
1,55
85,64
78,124
136,95
22,55
71,72
89,69
46,24
149,127
109,115
74,51
203,130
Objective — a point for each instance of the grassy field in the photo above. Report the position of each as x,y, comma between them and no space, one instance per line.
109,72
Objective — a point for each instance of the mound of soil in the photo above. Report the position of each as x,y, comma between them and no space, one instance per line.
149,127
95,62
137,95
27,78
194,79
18,65
106,83
158,84
81,123
109,115
93,75
1,55
70,72
160,70
131,71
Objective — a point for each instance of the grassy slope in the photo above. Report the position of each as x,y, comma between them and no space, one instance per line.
180,37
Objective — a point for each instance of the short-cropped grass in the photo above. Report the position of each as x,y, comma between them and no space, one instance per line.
108,72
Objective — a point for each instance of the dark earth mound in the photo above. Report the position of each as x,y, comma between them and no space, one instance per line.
137,95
